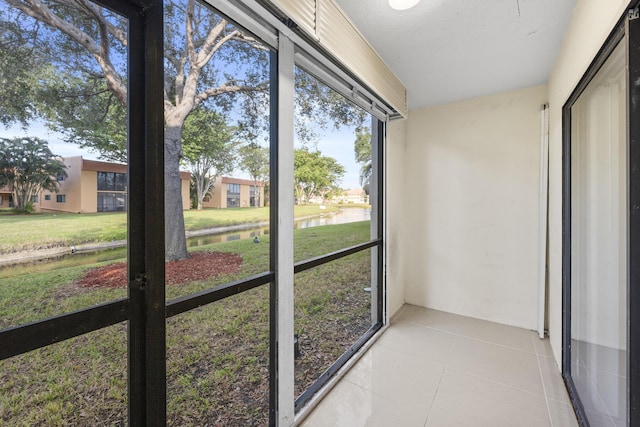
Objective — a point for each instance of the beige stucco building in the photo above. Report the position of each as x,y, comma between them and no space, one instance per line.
354,195
5,196
235,193
94,186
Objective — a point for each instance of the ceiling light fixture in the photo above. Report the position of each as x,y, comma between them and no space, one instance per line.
403,4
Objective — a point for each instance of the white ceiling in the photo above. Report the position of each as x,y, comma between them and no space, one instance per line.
448,50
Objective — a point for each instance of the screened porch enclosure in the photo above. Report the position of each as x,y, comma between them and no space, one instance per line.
251,345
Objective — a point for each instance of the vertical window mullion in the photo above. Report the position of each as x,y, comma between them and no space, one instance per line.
136,347
147,341
378,141
284,253
155,322
376,218
273,213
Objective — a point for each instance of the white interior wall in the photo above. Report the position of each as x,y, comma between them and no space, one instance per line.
471,206
591,23
395,208
409,259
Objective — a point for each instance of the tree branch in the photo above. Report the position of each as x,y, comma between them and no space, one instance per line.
251,41
211,46
215,91
39,11
189,87
191,50
97,12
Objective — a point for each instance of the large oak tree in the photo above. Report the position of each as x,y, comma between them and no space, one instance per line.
87,98
82,83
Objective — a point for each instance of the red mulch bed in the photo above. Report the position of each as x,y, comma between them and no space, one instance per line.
200,266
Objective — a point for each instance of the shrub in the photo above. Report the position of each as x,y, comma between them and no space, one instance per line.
27,209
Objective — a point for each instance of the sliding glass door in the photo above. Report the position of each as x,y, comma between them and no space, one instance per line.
598,243
601,233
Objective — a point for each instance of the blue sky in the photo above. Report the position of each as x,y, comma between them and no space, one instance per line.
56,144
339,145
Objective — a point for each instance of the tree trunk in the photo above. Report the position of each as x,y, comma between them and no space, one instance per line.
200,192
176,241
17,200
256,197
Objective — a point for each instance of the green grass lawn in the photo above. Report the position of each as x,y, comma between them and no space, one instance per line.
44,230
217,355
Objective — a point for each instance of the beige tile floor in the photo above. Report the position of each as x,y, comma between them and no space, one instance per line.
436,369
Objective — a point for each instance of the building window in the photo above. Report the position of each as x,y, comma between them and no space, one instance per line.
233,189
112,181
61,198
115,197
233,201
233,195
112,202
47,197
252,195
1,200
61,178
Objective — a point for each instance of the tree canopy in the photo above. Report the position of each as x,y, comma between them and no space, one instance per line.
209,151
81,89
362,148
20,67
28,166
85,94
254,160
315,175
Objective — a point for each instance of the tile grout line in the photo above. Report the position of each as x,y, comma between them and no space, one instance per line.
534,350
607,413
435,395
604,404
500,383
457,334
544,387
385,396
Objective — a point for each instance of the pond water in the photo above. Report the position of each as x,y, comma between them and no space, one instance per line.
71,260
342,217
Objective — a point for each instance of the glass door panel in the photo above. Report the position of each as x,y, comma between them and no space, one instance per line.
63,218
336,194
599,244
217,76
